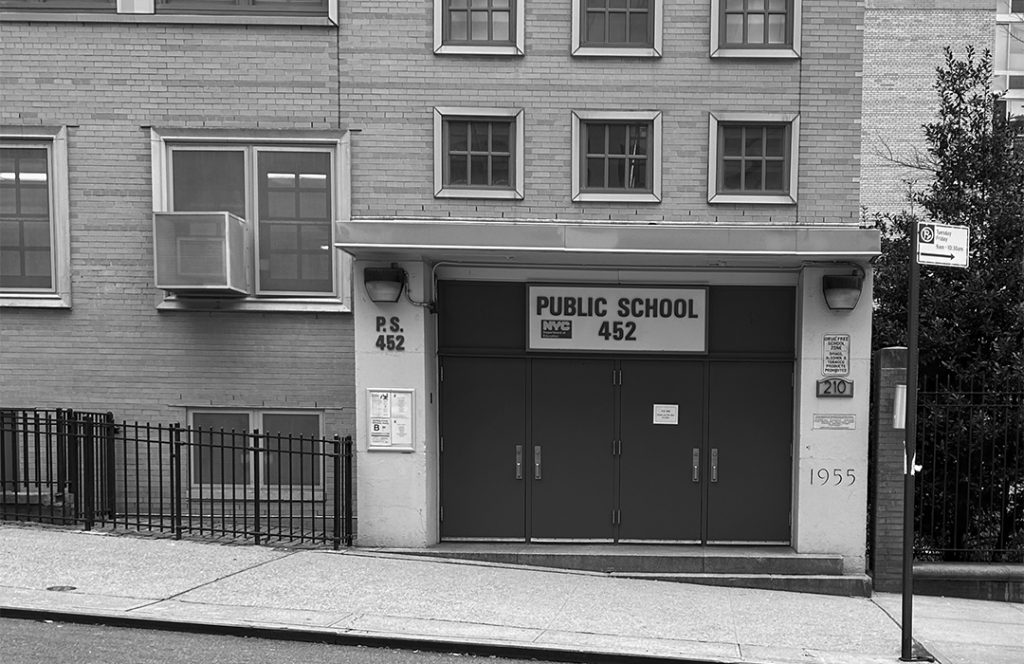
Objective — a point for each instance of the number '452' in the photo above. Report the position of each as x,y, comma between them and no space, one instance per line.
390,342
619,330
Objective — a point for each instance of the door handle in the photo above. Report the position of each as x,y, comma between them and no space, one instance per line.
696,464
519,462
536,462
714,464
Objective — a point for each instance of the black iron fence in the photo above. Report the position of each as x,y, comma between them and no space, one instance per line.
67,467
970,493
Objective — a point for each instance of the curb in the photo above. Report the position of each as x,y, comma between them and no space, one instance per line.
395,642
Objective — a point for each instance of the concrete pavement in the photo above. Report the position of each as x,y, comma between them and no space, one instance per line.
372,597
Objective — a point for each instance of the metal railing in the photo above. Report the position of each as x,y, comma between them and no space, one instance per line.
970,493
73,468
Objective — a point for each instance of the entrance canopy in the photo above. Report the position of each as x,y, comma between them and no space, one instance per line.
600,243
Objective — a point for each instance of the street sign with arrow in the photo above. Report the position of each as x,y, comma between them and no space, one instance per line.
941,244
930,244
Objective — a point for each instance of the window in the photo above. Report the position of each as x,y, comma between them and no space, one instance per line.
1008,55
290,447
617,27
616,156
755,28
485,27
478,153
752,158
289,187
34,226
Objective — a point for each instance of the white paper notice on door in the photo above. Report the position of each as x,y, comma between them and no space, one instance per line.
666,413
390,419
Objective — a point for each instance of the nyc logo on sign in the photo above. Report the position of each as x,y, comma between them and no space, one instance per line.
555,329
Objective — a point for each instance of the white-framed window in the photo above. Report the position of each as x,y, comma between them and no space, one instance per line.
479,27
1008,54
620,28
223,457
290,188
616,156
35,234
752,158
478,153
755,28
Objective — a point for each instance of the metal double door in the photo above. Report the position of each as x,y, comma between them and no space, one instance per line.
660,450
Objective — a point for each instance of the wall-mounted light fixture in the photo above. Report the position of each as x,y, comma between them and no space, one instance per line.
842,291
384,284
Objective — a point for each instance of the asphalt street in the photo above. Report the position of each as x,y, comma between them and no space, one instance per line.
46,642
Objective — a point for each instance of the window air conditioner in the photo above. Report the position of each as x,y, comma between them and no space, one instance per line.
201,253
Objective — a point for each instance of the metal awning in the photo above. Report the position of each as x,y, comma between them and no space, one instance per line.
596,243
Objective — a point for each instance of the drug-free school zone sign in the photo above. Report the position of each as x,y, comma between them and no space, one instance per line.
618,319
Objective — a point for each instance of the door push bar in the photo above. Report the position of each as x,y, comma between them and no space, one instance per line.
519,462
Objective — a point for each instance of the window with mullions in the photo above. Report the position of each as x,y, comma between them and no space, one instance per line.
289,204
290,454
34,227
752,159
618,23
755,22
755,28
478,26
478,153
294,233
488,21
616,156
26,259
617,27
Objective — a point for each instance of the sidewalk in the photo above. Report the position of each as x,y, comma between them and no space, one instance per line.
363,596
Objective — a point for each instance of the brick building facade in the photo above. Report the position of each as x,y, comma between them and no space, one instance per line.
108,80
903,45
689,161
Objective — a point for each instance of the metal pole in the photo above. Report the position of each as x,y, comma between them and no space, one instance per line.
176,480
87,489
338,451
910,447
256,483
349,463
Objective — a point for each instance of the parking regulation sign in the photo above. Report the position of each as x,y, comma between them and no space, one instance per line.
941,244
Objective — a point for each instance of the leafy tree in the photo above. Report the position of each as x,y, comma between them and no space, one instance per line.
971,321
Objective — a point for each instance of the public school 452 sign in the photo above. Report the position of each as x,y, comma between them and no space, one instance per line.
617,319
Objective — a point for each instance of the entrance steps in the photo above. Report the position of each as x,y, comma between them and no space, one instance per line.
768,568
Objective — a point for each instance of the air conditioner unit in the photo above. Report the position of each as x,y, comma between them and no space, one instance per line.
201,253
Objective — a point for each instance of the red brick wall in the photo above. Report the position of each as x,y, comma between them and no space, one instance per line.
392,81
113,350
903,43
